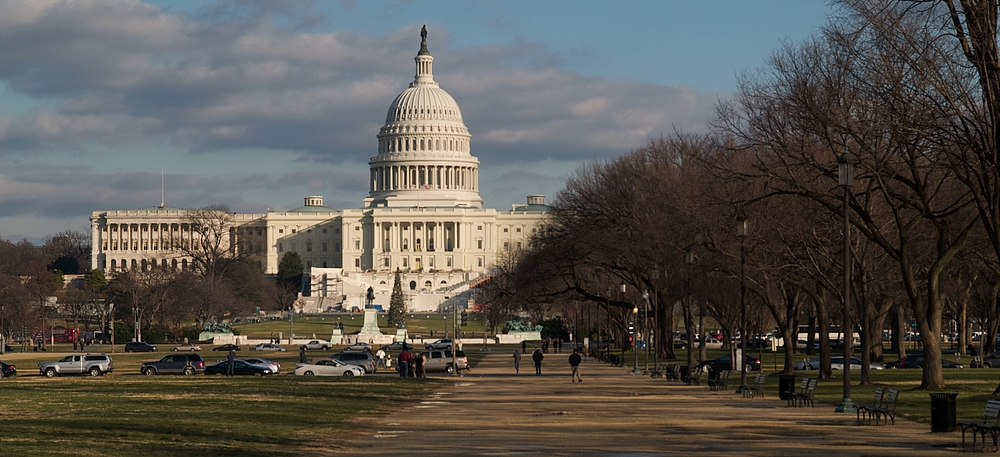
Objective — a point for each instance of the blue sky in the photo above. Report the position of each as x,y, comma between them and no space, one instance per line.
255,104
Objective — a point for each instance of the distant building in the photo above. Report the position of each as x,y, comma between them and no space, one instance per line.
423,215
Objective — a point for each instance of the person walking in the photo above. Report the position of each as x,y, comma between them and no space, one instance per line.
537,358
524,345
232,361
302,354
574,363
517,361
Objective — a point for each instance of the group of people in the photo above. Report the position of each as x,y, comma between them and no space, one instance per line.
537,356
411,365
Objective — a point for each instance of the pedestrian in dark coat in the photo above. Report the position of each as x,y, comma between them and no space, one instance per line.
574,363
537,358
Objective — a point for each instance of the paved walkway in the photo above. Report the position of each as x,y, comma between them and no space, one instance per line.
492,411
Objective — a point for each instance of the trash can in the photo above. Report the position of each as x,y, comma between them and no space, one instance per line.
685,373
943,412
786,385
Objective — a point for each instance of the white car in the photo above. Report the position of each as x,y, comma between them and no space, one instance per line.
186,347
264,363
268,347
328,367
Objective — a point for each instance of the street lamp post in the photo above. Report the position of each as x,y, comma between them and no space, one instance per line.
621,297
607,327
635,350
645,332
845,173
741,232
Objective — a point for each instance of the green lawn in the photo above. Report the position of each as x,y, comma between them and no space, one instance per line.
973,386
128,414
417,325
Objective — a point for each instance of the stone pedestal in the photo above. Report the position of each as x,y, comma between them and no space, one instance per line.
213,336
400,335
369,331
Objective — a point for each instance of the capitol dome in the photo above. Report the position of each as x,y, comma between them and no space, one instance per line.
424,158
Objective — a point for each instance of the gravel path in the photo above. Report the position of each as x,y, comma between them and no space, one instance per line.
492,411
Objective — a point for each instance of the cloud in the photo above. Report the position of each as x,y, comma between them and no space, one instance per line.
112,78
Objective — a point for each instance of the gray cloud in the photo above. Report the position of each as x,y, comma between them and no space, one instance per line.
111,77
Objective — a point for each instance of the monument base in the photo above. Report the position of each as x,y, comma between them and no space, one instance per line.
211,337
369,331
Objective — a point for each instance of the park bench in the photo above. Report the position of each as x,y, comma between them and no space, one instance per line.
721,382
694,379
673,372
888,408
791,396
868,410
807,394
757,389
991,419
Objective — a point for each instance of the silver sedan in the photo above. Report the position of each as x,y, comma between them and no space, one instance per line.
328,367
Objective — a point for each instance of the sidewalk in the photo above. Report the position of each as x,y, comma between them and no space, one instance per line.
492,411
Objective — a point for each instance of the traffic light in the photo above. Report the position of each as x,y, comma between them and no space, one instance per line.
465,318
631,329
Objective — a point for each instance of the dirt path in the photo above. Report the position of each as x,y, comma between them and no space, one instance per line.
492,411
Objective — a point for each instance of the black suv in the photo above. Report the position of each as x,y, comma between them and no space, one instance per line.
187,364
139,346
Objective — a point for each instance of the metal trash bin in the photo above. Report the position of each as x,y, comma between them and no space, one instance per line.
786,385
943,411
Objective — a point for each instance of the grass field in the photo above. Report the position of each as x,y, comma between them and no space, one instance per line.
419,325
973,386
125,413
177,415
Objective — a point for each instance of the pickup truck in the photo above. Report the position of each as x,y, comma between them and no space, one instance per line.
92,364
316,345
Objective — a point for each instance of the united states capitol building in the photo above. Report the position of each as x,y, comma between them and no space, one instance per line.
423,215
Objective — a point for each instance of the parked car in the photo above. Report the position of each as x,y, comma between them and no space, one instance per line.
755,343
443,343
240,368
187,364
268,347
92,364
724,362
361,359
359,347
328,367
186,347
836,363
917,361
275,367
441,360
397,346
7,369
992,360
316,345
227,348
139,346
